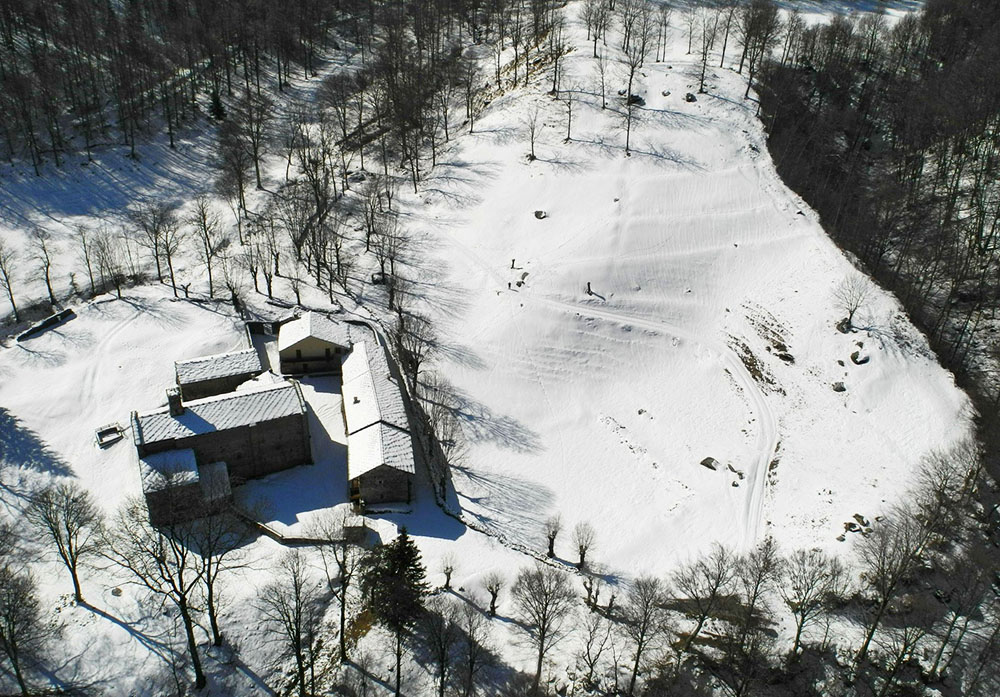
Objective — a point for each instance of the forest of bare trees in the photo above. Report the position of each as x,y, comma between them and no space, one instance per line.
891,133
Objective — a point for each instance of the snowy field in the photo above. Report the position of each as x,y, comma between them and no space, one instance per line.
599,407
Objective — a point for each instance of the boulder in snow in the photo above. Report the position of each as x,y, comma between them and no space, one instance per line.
711,463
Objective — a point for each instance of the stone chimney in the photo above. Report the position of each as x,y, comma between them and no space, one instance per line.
174,401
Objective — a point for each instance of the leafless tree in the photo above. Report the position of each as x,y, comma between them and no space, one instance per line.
207,229
8,261
65,514
415,342
811,581
441,624
635,55
887,555
702,584
553,525
448,568
494,583
853,294
22,628
253,116
757,572
85,240
708,27
110,252
474,651
340,555
40,241
969,576
584,536
594,637
727,10
543,600
292,606
219,540
601,70
644,621
531,124
163,562
149,220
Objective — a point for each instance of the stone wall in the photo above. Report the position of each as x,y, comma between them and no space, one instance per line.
384,484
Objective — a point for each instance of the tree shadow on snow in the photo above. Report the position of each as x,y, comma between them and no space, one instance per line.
22,447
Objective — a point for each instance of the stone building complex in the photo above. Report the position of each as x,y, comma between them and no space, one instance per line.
227,421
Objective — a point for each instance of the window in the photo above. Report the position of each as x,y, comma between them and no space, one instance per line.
298,354
328,354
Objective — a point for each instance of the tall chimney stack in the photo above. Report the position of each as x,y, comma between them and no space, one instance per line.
174,401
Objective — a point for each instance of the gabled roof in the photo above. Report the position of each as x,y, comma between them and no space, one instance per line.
371,395
169,468
231,410
317,326
221,365
379,444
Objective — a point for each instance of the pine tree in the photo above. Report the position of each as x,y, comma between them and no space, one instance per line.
393,582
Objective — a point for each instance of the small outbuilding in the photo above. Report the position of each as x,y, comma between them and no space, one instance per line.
313,344
208,376
177,489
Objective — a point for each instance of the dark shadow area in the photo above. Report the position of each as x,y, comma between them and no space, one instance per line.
22,447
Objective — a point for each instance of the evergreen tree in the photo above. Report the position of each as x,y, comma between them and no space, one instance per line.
393,582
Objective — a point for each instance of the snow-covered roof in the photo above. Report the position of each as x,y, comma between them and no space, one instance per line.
232,410
370,393
221,365
313,324
379,444
173,467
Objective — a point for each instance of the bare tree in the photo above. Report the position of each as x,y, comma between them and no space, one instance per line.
594,638
812,580
852,295
635,55
22,628
292,606
702,583
110,252
531,124
8,261
66,515
415,343
583,539
40,240
441,629
474,652
84,238
553,525
339,554
601,70
218,539
644,621
149,220
708,26
448,568
163,562
887,556
494,583
208,234
253,116
756,575
543,600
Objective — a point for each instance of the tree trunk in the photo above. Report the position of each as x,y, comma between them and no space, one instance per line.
399,658
199,675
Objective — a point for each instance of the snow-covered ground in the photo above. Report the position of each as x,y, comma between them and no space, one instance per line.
599,407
